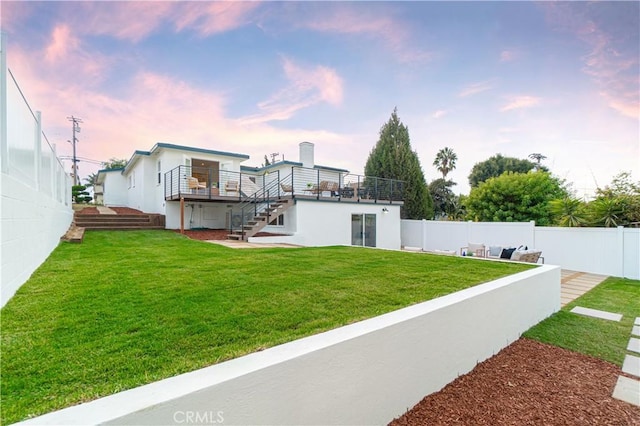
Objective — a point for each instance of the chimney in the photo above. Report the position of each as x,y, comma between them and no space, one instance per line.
306,154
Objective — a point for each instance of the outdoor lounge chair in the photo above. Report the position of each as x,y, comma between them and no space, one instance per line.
194,184
231,186
286,188
531,256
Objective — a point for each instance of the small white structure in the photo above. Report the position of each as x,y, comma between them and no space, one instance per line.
303,203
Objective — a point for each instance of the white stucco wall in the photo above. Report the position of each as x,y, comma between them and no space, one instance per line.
365,373
32,224
325,223
114,189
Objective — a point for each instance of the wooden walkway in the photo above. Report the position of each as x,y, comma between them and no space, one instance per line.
574,284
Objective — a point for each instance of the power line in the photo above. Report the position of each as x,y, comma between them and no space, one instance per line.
76,129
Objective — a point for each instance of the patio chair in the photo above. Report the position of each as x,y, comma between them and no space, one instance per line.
473,249
231,186
194,184
286,188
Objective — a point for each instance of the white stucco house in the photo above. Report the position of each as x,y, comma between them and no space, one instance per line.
292,202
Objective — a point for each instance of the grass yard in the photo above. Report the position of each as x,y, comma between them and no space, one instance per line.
596,337
128,308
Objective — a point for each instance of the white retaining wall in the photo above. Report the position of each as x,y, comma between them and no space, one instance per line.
606,251
365,373
35,191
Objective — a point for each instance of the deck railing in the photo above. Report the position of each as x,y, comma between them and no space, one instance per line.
209,183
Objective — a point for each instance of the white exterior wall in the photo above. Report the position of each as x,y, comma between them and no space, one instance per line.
136,185
147,195
35,191
32,224
365,373
318,223
114,189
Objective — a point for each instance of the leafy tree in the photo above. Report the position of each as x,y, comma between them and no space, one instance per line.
515,197
79,195
568,212
617,204
393,158
443,197
497,165
114,163
538,159
445,161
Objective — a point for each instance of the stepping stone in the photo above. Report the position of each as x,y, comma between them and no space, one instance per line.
627,390
634,345
636,330
631,365
637,321
596,313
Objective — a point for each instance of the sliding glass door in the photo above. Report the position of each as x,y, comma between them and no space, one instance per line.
363,230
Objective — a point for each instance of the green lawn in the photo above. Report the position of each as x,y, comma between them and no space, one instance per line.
127,308
592,336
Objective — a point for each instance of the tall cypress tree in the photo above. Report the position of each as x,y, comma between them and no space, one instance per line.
392,158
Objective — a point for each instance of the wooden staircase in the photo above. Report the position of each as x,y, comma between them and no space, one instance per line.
120,222
255,225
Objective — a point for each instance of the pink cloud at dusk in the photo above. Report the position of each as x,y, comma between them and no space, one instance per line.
517,102
215,17
307,86
475,88
392,33
61,43
615,72
439,113
509,55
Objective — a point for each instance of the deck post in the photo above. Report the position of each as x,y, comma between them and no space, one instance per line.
182,215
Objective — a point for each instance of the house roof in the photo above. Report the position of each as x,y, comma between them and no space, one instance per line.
163,145
102,173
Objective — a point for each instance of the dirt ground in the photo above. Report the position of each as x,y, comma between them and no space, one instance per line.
528,383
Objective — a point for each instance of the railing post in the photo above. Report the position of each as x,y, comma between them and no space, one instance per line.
293,188
240,186
318,184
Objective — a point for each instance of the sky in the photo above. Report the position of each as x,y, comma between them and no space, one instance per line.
557,78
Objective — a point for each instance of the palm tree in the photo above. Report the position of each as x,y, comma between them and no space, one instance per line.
445,161
538,159
607,212
569,211
92,180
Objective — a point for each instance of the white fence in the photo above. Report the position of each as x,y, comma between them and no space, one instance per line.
365,373
35,197
606,251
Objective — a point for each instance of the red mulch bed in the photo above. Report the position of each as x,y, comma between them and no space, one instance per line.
118,210
88,210
528,383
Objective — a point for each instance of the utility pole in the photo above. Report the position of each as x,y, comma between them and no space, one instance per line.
76,129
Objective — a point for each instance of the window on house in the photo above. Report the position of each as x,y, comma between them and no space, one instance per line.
159,173
278,221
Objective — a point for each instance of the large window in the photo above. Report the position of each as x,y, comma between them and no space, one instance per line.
363,230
